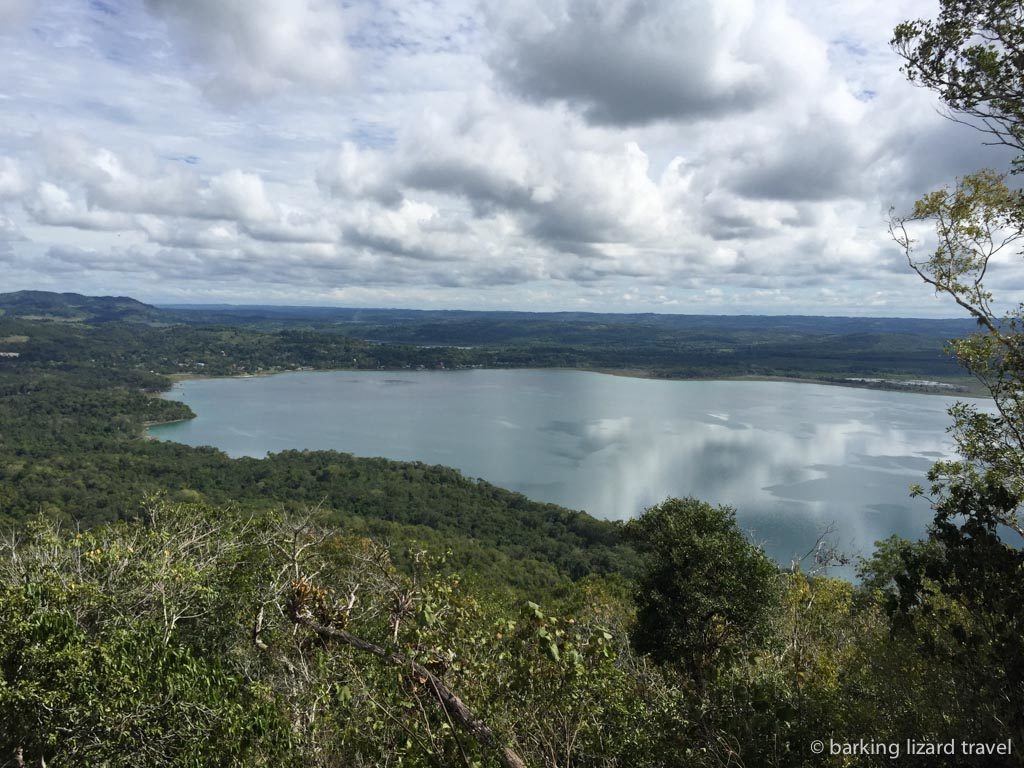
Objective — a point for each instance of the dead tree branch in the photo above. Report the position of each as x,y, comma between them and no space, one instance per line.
451,704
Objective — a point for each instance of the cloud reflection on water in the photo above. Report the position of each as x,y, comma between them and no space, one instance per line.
791,458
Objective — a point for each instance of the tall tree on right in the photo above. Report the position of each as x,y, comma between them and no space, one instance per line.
972,56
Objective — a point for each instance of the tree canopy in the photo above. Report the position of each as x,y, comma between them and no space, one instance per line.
971,56
958,597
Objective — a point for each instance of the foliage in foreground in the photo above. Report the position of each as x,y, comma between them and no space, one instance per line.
194,636
172,640
957,595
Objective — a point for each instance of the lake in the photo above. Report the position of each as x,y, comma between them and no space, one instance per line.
792,458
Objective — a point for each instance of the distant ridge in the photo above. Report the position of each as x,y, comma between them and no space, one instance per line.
74,307
868,350
467,327
461,326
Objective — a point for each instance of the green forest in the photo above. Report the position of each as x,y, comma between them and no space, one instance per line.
233,341
162,605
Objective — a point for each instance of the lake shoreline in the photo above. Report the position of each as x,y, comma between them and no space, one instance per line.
893,386
970,388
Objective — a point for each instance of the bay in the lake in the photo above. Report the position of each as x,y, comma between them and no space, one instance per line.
792,458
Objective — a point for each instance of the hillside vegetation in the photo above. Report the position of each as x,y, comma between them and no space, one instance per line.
225,341
73,307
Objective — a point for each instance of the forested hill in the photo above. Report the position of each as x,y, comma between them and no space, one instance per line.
460,326
468,326
232,340
74,307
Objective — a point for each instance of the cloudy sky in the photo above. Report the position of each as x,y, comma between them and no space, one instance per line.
726,156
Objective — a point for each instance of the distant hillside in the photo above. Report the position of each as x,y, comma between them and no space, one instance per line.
73,307
466,327
231,340
473,328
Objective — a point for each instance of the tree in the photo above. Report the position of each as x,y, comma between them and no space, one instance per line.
959,597
201,636
705,593
119,644
971,57
976,222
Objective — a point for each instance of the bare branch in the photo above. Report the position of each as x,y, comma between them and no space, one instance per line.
450,703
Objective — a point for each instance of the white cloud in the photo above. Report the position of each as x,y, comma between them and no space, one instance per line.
9,234
629,62
254,48
13,181
240,195
146,184
737,155
55,206
356,173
